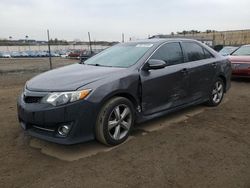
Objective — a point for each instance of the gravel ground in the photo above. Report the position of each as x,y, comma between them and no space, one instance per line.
210,148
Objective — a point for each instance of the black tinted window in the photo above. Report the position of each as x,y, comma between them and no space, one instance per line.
194,51
171,53
207,54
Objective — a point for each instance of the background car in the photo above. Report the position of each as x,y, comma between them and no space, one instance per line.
15,54
5,55
42,54
227,50
54,54
240,60
86,55
75,54
32,53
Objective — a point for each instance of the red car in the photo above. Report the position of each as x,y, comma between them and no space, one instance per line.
76,54
241,62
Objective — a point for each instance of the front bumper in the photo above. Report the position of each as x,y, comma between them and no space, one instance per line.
42,120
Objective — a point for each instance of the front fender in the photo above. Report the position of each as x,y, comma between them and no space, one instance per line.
105,89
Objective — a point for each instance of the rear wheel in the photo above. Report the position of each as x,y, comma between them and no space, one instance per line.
114,121
216,93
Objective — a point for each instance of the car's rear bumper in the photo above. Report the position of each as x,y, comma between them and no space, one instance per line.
42,121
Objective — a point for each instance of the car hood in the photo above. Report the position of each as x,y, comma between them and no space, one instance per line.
239,59
70,78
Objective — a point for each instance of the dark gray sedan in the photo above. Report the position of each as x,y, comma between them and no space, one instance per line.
106,95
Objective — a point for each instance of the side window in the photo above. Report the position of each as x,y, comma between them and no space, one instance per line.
171,53
208,55
193,51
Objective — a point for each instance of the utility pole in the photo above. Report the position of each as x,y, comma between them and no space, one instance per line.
10,38
50,63
214,38
27,41
122,37
90,47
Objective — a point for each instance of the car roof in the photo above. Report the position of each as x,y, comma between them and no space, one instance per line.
230,47
160,40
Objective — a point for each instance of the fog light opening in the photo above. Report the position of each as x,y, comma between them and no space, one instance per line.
63,130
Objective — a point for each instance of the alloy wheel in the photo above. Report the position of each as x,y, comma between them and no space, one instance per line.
217,92
119,122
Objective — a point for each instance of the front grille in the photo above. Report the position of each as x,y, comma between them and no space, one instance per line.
29,99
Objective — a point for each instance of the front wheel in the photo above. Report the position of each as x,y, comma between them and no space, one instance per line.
216,93
114,121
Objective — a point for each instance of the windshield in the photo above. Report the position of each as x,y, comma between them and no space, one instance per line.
120,55
242,51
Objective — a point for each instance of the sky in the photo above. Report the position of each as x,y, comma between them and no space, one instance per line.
108,19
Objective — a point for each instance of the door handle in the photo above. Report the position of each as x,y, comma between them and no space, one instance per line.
184,71
214,65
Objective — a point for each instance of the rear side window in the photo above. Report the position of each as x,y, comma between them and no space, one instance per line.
171,53
193,51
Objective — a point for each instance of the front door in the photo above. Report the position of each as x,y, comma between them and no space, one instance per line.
165,88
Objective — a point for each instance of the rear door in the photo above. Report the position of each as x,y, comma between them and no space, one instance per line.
201,69
165,88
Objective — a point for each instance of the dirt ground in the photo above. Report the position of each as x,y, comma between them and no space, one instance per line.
196,147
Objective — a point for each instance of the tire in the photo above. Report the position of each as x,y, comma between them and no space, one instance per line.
114,121
216,93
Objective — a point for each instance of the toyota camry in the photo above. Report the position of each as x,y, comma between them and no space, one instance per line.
104,97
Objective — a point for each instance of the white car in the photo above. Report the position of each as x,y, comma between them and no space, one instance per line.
4,55
64,55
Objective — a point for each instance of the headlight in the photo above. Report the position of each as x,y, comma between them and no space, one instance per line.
61,98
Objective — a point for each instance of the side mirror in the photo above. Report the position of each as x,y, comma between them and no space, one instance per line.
154,64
